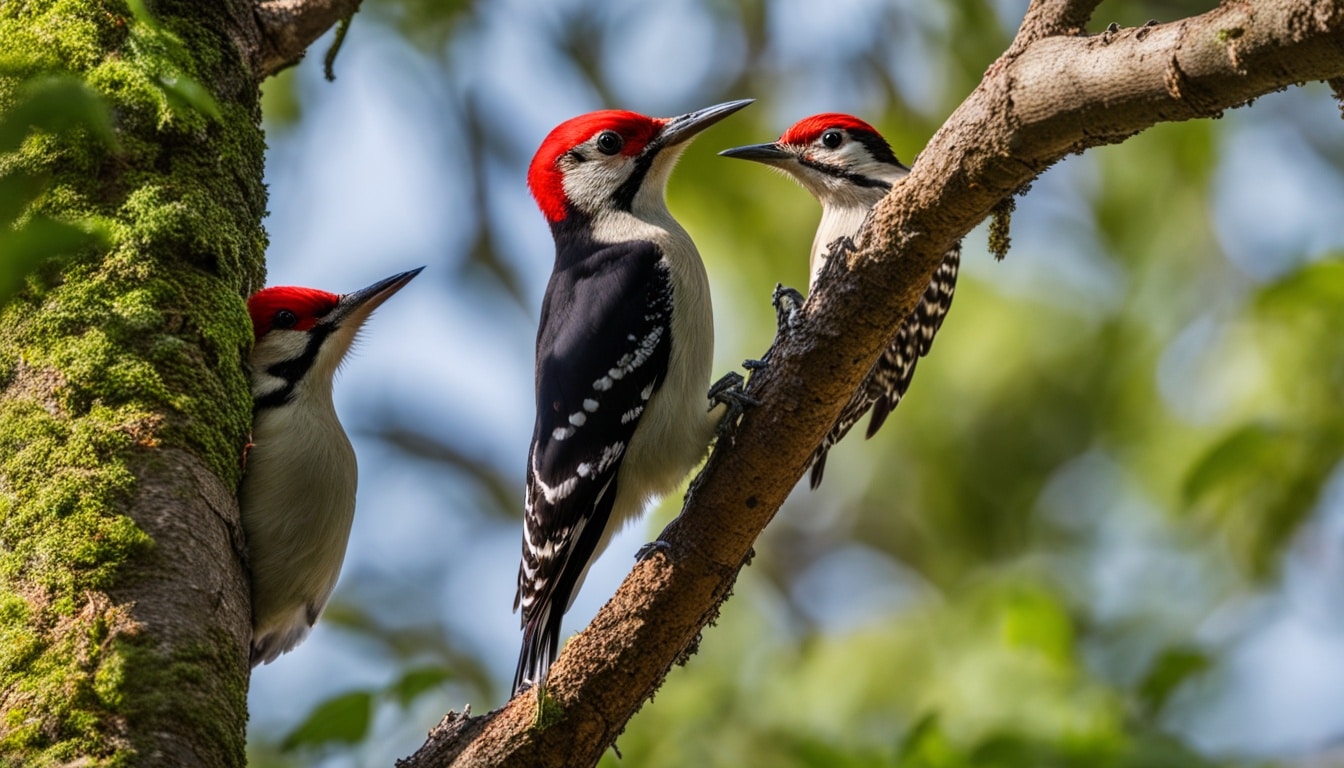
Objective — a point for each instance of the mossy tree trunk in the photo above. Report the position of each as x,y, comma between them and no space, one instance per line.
124,407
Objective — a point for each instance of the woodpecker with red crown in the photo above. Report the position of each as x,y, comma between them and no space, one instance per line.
297,496
847,165
624,350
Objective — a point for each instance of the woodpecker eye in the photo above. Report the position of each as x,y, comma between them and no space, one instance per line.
284,319
609,142
832,138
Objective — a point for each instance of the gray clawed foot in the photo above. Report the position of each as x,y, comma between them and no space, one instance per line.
646,551
787,302
729,391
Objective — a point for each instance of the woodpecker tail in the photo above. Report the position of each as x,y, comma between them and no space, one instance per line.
541,643
818,466
891,375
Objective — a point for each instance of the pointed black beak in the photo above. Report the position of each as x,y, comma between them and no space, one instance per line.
683,128
761,153
360,304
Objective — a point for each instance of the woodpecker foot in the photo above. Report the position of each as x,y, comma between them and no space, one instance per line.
788,302
729,391
648,550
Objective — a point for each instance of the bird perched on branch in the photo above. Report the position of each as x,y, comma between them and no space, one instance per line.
297,496
847,165
624,350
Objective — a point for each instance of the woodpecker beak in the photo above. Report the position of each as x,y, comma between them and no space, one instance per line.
360,304
681,129
771,154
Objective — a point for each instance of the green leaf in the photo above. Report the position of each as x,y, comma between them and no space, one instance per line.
416,681
141,13
1035,619
1245,450
57,104
187,92
1169,670
925,745
1317,284
17,190
180,89
40,239
341,720
1258,483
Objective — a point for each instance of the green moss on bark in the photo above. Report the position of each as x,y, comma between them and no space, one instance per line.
105,357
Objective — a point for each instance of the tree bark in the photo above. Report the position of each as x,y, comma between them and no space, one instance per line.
1056,91
123,403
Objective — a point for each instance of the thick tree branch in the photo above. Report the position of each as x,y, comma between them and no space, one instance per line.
1055,95
287,27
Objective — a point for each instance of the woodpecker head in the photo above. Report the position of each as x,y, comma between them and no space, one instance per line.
613,161
839,158
302,334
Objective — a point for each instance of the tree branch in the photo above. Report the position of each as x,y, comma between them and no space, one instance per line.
1048,18
1057,94
287,27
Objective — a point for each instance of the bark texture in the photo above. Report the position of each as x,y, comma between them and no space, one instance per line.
285,28
123,403
1056,91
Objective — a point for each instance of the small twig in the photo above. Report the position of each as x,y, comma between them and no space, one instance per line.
329,63
286,28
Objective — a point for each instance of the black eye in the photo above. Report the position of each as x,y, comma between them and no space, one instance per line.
832,138
284,319
609,142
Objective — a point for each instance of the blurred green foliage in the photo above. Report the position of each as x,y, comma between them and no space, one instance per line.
1118,434
42,106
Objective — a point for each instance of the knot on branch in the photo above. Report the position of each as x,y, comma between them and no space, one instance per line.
1182,88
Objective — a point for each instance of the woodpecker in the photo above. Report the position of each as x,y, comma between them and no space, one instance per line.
624,350
847,165
297,496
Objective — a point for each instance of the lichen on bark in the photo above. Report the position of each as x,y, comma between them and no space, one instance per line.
123,402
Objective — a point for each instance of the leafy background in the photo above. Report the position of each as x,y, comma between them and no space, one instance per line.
1104,528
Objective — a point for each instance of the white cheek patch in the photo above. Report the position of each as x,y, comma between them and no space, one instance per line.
277,347
851,155
589,184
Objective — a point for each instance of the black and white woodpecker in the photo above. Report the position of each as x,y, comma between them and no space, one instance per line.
847,165
297,496
624,351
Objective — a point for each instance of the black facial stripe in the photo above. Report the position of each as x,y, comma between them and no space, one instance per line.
275,399
857,180
624,197
294,369
877,147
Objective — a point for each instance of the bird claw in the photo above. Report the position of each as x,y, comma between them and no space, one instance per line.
788,303
728,391
648,550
